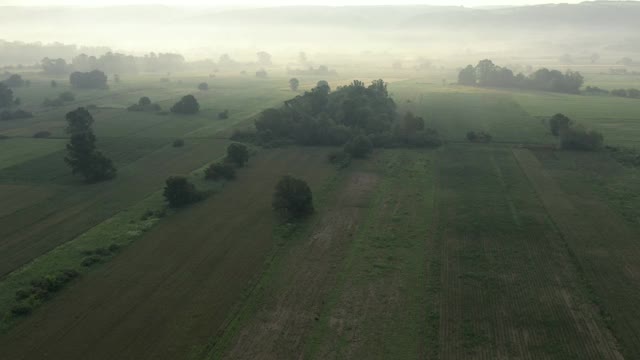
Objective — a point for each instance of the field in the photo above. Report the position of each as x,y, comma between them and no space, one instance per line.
511,249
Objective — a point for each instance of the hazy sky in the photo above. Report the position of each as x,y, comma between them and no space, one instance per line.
279,2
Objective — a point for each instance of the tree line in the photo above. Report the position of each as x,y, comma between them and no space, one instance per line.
487,74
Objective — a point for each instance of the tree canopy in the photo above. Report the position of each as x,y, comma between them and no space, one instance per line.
187,105
95,79
486,73
6,96
294,83
292,198
82,155
179,192
237,154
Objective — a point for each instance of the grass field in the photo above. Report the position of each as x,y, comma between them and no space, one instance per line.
470,251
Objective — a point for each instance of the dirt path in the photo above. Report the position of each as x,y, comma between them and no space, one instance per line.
168,293
288,312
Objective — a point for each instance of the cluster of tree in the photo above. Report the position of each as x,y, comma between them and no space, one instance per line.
322,70
63,97
88,80
574,137
144,104
17,52
292,198
41,289
323,117
486,73
114,63
82,154
630,93
15,114
187,105
479,137
594,90
237,156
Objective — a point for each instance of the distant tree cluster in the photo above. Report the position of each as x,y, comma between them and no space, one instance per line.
321,70
261,74
55,66
88,80
144,104
594,90
15,81
15,114
628,93
323,117
487,74
116,63
574,137
203,86
62,98
187,105
237,156
82,154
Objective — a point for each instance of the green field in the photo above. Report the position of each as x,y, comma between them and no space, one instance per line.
469,251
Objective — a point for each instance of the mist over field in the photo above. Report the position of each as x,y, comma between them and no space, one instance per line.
191,179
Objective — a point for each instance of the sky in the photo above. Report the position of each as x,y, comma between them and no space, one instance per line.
468,3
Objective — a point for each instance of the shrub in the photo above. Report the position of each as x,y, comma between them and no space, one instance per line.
237,154
21,310
479,137
359,147
178,143
91,260
42,134
581,139
203,86
187,105
339,158
292,198
223,115
559,123
220,171
180,192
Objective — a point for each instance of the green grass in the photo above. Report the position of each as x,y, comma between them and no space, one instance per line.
15,151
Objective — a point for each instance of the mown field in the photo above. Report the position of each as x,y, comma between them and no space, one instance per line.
469,251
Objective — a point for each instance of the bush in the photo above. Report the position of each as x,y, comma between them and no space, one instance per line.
223,115
144,104
42,134
237,154
479,137
359,147
187,105
220,171
559,123
248,136
339,158
581,139
178,143
180,192
203,86
21,310
292,198
91,260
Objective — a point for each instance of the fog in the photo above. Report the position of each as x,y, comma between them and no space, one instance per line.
350,33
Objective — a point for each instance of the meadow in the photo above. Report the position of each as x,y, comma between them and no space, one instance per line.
511,249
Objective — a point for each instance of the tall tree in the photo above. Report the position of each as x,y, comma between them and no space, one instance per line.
82,155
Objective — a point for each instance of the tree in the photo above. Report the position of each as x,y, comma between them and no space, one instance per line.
14,81
580,139
88,80
54,66
237,154
294,84
82,155
144,101
187,105
219,171
359,147
292,198
6,96
264,58
179,192
467,76
203,86
223,115
54,84
559,123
